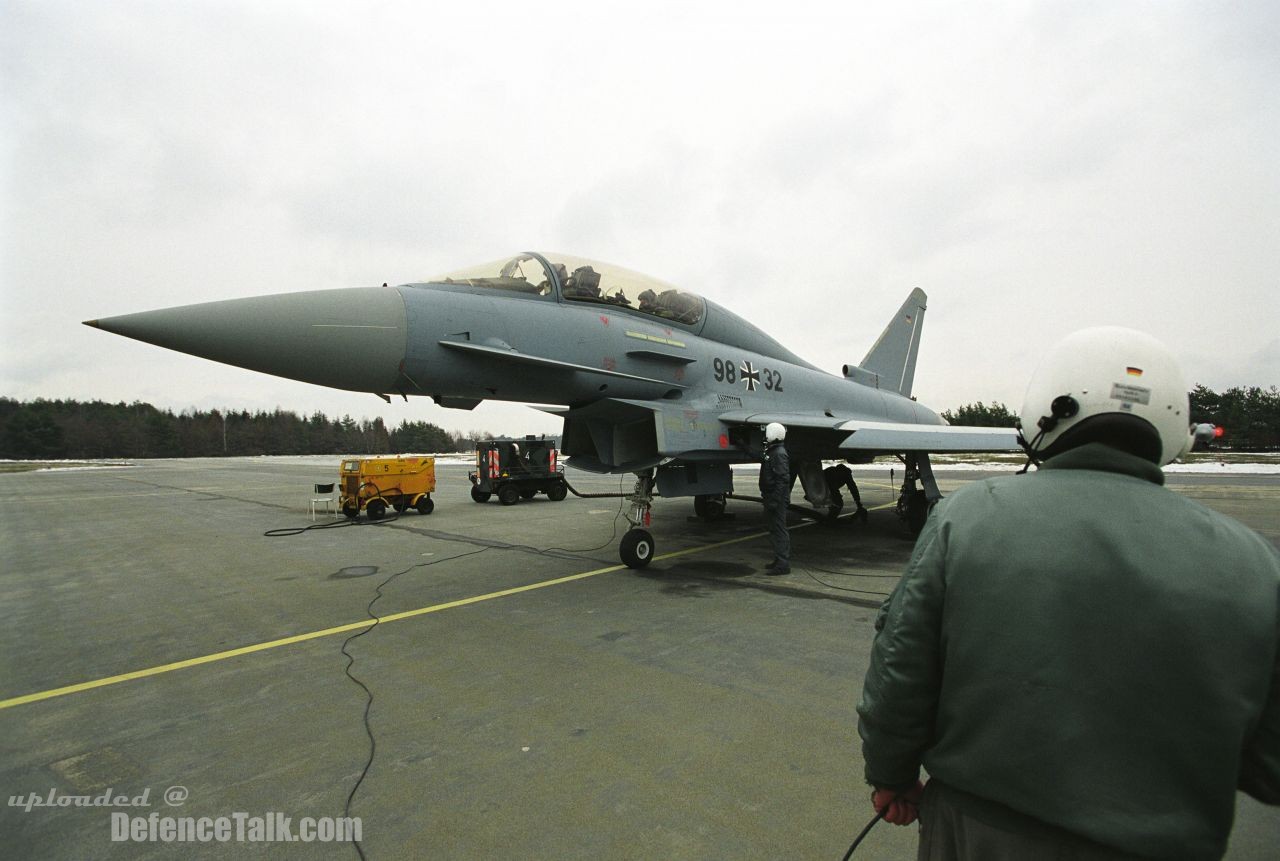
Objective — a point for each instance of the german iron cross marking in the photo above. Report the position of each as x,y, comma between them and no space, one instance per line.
750,376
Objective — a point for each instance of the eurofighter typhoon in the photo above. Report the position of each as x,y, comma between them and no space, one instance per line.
649,378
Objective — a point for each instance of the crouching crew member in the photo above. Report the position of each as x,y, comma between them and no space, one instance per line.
1086,663
839,476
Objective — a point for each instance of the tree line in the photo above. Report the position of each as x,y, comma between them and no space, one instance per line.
72,429
1249,416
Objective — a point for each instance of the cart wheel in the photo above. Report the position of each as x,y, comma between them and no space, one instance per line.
636,548
528,493
351,511
557,492
399,507
375,509
509,494
480,495
425,505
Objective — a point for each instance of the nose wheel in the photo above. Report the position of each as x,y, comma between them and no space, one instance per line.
636,548
637,545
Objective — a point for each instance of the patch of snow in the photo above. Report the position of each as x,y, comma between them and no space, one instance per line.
1224,468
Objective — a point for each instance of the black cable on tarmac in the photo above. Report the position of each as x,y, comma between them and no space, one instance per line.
368,705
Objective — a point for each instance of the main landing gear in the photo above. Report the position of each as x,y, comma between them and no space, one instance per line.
637,544
914,502
709,506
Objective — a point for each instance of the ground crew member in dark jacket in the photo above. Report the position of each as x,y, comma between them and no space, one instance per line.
1087,664
839,476
775,488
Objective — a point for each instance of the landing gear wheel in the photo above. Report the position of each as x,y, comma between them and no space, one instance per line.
636,548
479,495
916,509
528,493
425,505
375,509
509,494
350,511
557,492
709,506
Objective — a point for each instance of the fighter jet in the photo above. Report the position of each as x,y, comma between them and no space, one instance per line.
649,378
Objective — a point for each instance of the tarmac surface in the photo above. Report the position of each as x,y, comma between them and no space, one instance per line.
527,701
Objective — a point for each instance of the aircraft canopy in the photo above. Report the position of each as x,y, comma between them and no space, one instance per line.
577,279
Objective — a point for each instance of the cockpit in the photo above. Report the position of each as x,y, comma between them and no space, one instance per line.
577,279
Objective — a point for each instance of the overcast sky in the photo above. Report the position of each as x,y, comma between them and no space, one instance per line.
1034,167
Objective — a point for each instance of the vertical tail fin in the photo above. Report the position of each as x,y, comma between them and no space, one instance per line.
893,358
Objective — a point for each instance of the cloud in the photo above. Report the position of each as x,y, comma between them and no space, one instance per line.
1035,168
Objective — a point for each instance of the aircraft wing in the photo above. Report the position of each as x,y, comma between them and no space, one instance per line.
886,436
865,435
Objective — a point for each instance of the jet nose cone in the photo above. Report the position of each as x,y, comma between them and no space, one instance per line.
347,339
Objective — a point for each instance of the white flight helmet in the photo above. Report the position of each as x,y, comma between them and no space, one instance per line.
774,432
1093,384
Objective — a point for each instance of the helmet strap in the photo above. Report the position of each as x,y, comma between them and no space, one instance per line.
1030,449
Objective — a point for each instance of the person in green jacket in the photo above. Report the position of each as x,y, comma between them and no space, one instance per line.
1086,663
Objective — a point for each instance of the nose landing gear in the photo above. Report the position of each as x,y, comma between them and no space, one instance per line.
637,547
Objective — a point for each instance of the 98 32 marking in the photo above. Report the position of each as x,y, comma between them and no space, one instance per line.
728,371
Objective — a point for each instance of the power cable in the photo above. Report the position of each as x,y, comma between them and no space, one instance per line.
378,594
612,534
350,521
857,840
368,704
808,574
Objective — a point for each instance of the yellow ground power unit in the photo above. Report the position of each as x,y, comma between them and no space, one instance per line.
375,483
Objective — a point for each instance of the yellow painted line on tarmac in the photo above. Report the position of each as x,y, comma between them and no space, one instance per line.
354,626
288,641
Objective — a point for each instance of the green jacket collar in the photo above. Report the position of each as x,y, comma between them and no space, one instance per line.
1104,458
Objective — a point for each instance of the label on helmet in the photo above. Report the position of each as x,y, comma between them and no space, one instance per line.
1130,394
